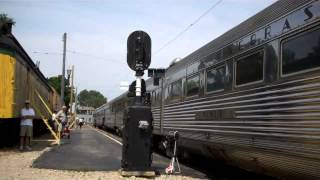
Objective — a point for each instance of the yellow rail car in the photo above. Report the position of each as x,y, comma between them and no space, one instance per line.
19,82
7,69
21,79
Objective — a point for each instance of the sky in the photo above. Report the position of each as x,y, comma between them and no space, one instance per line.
97,32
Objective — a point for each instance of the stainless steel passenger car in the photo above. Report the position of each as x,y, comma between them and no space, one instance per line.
110,115
99,116
250,97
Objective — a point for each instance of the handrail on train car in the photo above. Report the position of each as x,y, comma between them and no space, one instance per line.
73,122
46,106
55,135
50,112
45,120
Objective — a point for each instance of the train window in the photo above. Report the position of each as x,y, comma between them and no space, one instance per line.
249,69
176,90
166,93
193,85
151,96
154,95
158,94
301,53
215,79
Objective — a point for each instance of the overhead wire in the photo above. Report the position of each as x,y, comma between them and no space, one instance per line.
156,52
90,55
78,53
47,53
187,28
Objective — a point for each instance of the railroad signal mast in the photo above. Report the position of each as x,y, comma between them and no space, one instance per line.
137,131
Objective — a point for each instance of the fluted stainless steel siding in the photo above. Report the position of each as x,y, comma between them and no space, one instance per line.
283,118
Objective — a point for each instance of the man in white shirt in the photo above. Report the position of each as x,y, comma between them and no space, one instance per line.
62,118
80,122
27,115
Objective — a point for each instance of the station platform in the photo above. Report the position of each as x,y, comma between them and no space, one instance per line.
91,149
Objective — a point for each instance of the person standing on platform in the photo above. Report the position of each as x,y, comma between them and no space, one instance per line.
26,125
80,122
62,117
53,123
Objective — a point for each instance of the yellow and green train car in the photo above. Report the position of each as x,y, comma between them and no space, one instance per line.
20,79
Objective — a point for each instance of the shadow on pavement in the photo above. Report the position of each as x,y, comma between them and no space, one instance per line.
37,144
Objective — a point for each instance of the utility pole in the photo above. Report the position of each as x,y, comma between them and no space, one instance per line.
75,102
73,117
64,39
71,90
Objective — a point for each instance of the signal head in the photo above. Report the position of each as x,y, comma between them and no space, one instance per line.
139,51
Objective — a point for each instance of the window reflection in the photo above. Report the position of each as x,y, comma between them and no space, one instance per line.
301,53
215,78
249,69
176,90
193,85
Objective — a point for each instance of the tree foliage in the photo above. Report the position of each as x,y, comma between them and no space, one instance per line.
91,98
55,82
5,19
4,23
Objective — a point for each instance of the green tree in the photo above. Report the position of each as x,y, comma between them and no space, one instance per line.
91,98
55,82
5,23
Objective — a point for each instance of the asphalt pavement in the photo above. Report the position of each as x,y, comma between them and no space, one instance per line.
90,149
